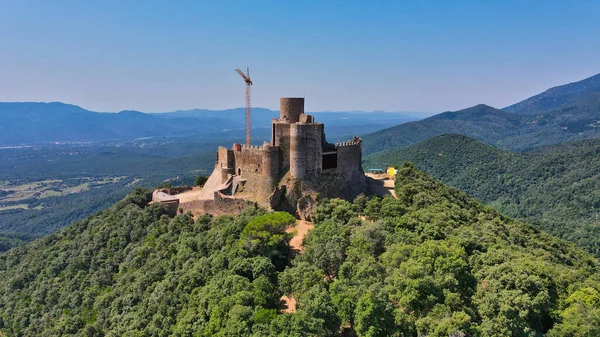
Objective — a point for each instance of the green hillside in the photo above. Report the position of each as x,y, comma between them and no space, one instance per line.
556,97
555,188
574,120
432,263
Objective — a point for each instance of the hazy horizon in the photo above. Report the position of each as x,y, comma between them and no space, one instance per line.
427,57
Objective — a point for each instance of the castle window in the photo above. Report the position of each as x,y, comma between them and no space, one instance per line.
329,161
239,171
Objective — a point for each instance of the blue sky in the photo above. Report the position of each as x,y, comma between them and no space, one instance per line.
428,56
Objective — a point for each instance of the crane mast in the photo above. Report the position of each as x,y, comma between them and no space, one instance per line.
246,78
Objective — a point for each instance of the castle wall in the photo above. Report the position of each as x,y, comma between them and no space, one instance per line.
290,108
248,160
304,118
305,151
348,178
349,156
224,157
281,138
258,167
225,163
270,169
218,205
161,196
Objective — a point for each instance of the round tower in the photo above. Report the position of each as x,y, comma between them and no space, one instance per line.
270,165
290,108
297,152
305,151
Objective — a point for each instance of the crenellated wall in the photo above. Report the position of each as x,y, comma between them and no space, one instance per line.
349,156
248,160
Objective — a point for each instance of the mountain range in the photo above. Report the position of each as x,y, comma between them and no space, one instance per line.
32,123
564,113
556,97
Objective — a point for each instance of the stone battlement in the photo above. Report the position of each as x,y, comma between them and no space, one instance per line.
355,141
245,147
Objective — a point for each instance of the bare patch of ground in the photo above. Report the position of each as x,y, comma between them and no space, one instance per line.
301,228
381,184
289,304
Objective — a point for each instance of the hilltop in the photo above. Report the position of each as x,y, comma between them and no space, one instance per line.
432,262
555,188
570,112
556,97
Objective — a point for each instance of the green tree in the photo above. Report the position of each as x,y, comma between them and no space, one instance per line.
200,181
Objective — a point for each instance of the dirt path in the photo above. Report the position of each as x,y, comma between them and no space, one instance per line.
302,228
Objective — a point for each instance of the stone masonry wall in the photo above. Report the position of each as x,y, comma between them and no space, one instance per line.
248,160
220,205
281,138
290,108
349,156
305,151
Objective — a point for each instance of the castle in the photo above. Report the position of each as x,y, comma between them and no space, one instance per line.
289,173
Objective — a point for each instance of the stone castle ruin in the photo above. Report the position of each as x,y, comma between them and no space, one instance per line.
290,173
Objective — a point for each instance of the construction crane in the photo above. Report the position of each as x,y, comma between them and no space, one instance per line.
246,78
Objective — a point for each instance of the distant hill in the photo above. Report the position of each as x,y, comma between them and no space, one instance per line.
576,120
556,188
556,97
27,123
433,262
31,123
481,121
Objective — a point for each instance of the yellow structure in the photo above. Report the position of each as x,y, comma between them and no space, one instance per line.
391,172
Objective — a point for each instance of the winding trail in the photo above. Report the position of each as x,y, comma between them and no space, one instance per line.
301,228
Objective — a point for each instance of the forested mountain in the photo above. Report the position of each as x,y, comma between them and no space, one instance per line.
576,117
431,263
8,241
555,188
555,97
31,123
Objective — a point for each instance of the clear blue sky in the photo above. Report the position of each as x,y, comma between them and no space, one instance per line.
427,56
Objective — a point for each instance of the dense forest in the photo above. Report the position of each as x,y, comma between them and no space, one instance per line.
555,188
431,263
9,240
